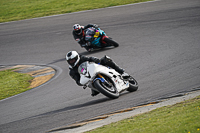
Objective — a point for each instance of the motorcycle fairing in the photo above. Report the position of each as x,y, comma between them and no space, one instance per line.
96,41
120,84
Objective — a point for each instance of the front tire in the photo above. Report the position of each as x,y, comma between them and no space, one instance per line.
111,42
110,92
133,84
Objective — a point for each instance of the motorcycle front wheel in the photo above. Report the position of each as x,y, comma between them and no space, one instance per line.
106,90
111,42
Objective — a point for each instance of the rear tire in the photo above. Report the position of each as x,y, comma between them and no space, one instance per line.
105,90
111,42
133,84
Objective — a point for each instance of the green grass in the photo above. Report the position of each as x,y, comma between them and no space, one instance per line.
12,83
12,10
183,117
179,118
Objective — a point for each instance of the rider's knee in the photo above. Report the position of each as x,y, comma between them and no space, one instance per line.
105,60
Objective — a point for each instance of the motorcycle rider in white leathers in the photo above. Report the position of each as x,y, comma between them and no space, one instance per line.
74,60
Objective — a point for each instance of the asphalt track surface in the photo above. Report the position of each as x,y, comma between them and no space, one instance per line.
159,46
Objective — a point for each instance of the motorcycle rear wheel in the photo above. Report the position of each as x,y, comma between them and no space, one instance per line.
111,42
133,84
110,92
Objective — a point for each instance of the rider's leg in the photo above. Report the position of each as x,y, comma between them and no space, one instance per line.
88,48
107,61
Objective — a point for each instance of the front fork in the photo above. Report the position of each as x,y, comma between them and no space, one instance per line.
104,81
100,76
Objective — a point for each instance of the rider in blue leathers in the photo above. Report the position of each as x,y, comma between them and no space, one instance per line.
79,35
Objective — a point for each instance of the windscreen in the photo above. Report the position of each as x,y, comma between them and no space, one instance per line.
89,34
82,69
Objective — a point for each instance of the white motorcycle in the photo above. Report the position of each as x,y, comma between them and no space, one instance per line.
105,80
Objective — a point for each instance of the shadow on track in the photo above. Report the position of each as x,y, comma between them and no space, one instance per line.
56,61
96,51
77,106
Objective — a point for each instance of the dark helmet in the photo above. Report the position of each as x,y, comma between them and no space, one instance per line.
77,29
89,33
72,58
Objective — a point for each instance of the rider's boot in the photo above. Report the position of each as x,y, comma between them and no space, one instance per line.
89,49
94,93
117,68
125,75
121,71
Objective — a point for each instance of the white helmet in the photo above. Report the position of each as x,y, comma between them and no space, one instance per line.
77,29
72,58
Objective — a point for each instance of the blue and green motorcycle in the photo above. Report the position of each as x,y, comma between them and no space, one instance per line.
96,39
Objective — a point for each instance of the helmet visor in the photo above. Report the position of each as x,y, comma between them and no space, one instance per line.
72,61
78,31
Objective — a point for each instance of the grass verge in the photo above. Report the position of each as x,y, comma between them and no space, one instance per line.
12,83
183,117
12,10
